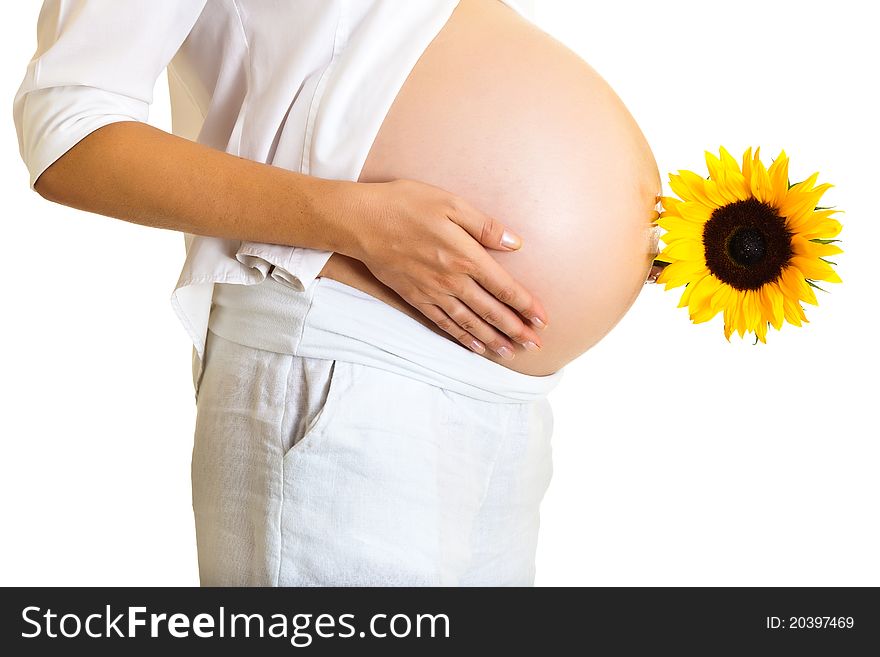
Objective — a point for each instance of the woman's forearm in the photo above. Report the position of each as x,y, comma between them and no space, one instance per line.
133,171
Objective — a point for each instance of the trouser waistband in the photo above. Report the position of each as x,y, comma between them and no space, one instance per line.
332,320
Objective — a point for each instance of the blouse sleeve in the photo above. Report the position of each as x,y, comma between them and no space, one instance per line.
96,63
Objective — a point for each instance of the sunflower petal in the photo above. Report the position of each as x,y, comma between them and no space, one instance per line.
805,185
713,164
736,184
718,174
775,297
778,173
809,249
721,297
669,203
712,189
816,215
800,203
794,313
799,287
815,269
697,186
823,229
740,315
695,212
685,249
681,272
760,183
728,161
761,331
677,228
700,308
752,310
682,189
747,166
688,291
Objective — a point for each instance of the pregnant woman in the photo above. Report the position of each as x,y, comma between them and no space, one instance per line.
402,220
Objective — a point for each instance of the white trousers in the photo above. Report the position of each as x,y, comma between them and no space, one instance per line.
339,442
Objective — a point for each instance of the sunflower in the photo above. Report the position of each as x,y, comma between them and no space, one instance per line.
746,242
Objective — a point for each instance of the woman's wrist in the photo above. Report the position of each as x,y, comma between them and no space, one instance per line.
346,210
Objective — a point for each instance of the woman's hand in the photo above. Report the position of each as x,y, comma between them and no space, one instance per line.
656,268
428,246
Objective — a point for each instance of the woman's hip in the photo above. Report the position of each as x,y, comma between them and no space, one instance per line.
316,471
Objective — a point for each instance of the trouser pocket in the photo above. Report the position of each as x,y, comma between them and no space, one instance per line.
319,386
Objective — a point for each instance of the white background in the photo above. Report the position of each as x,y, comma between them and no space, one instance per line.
680,459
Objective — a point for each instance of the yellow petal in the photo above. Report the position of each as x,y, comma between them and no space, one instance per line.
775,297
823,229
728,161
713,164
700,308
809,217
760,183
721,297
677,225
794,313
797,204
797,286
695,212
761,331
815,269
752,311
681,272
669,204
778,174
688,291
808,249
736,185
713,191
685,249
805,185
767,313
718,173
740,315
747,166
697,187
681,189
704,314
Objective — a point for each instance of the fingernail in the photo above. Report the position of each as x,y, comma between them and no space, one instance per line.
510,240
505,352
537,322
531,346
478,346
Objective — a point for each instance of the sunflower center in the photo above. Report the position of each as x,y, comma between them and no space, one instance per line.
747,244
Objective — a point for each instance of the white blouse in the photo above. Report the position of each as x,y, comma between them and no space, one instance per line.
300,84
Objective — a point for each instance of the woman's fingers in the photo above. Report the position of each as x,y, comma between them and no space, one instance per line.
439,316
487,230
491,321
501,285
656,269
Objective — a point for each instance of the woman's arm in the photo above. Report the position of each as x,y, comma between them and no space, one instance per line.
425,243
133,171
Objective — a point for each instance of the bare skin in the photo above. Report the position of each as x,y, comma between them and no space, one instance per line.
537,137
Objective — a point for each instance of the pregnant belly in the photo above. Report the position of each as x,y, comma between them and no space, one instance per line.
503,115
